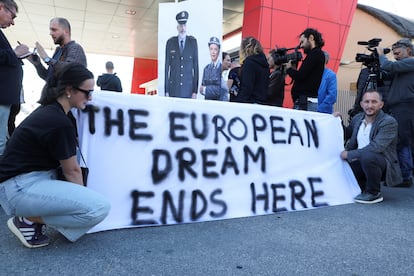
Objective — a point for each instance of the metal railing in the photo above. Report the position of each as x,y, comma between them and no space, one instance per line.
344,101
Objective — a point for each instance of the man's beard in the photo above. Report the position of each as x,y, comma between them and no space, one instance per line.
306,49
372,114
59,40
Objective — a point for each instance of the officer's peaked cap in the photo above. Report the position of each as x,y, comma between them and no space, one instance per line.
182,17
214,40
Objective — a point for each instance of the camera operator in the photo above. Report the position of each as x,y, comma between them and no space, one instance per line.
401,101
276,89
308,77
371,76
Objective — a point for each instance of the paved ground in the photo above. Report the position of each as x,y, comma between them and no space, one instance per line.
350,239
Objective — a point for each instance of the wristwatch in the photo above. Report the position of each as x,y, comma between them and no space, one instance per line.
47,60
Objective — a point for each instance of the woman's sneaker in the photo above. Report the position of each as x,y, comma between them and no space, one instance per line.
30,235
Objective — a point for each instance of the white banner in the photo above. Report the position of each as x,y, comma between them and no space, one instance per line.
168,160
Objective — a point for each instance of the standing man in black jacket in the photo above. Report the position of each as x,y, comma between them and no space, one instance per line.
11,71
110,80
308,77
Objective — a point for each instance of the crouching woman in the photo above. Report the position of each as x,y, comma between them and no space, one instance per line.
45,140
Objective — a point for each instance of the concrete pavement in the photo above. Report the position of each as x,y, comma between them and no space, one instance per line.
352,239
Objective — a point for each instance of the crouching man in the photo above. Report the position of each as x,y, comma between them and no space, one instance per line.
372,148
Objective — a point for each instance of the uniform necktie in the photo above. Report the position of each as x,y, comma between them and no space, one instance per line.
181,46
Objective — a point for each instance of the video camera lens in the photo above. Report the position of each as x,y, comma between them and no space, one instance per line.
281,56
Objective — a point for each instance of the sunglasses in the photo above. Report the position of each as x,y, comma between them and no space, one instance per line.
87,92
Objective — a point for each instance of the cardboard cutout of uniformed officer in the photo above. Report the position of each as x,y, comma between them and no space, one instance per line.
181,62
211,82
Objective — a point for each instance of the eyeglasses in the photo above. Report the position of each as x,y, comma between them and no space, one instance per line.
87,92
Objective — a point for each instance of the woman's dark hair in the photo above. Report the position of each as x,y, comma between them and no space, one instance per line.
223,55
64,74
317,36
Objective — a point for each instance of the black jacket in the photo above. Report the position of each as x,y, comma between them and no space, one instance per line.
308,78
109,82
276,90
11,73
254,80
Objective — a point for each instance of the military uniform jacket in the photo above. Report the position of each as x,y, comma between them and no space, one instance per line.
212,81
181,69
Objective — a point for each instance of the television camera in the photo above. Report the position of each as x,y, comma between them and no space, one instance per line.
282,55
372,63
372,60
375,77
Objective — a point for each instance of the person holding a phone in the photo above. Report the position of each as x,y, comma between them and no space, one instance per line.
11,71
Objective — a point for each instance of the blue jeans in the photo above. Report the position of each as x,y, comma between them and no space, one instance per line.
404,114
4,120
311,106
69,208
406,161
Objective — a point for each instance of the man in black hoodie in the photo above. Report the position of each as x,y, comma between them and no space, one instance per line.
110,80
308,78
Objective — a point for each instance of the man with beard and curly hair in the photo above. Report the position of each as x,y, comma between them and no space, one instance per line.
307,78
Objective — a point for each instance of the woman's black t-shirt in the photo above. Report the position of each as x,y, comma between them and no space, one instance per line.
39,142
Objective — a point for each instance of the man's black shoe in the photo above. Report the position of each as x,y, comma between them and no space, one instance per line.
405,184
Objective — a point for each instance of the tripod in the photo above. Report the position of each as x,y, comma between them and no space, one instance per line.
370,84
369,78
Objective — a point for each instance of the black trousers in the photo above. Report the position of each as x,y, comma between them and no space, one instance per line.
369,170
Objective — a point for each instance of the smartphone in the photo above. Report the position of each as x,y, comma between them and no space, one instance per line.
28,54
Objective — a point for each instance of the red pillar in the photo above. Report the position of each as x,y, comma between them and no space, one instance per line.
144,71
279,22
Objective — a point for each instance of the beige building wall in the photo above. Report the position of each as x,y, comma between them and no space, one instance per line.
363,28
